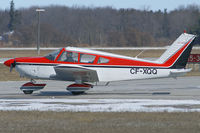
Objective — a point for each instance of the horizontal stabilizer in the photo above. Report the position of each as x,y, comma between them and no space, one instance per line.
179,72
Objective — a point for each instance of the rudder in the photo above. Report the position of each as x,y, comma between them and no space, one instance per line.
176,56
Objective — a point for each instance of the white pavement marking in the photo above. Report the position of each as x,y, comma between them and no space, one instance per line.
101,105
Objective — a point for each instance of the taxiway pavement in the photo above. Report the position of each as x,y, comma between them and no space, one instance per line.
166,88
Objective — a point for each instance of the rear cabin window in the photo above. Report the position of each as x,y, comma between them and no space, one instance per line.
102,60
86,58
68,57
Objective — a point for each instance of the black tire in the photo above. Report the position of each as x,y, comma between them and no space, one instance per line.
77,92
28,91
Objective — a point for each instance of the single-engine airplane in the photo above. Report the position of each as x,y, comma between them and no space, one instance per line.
85,66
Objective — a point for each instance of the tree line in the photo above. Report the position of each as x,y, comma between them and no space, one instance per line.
105,26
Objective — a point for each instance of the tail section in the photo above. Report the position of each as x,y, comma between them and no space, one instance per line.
176,56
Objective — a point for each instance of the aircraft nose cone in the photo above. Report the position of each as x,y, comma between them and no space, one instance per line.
9,62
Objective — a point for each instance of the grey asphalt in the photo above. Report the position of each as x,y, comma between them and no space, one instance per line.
166,88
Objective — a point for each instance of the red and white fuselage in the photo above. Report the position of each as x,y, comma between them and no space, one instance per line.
85,65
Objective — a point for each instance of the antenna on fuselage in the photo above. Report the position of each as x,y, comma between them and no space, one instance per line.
140,53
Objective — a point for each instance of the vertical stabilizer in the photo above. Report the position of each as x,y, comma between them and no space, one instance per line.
178,53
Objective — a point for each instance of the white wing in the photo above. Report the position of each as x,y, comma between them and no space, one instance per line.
75,72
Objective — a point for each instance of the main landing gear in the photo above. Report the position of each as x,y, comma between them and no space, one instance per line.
77,89
31,86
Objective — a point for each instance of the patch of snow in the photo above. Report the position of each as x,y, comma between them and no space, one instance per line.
100,105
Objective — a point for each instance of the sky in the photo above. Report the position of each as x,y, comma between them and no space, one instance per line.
137,4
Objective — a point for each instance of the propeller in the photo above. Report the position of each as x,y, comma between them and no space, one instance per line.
12,65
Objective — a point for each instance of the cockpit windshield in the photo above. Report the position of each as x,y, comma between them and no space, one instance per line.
52,56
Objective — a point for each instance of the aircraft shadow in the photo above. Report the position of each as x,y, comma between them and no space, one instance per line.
65,93
133,93
53,93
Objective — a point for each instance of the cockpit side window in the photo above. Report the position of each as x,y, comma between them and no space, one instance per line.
52,56
86,58
102,60
67,56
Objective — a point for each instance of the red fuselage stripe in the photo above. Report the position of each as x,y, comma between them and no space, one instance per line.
114,61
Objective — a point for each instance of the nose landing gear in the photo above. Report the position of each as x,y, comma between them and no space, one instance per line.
29,87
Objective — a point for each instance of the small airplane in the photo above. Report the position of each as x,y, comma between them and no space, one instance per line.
85,66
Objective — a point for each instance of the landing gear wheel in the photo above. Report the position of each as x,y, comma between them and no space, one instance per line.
77,92
27,91
77,89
